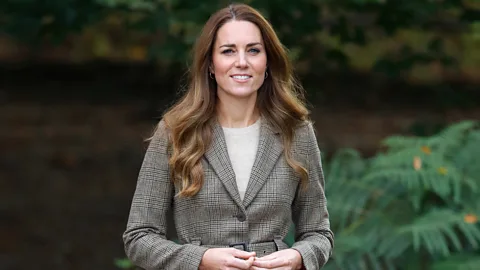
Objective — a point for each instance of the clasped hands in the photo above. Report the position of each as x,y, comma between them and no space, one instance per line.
235,259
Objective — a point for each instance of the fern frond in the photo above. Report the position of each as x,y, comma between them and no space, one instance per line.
347,196
459,262
405,159
467,157
420,196
452,136
401,158
356,252
472,203
393,245
458,129
446,140
354,200
345,163
436,232
343,212
417,182
397,142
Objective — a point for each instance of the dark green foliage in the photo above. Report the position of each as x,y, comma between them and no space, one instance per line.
36,21
414,206
298,23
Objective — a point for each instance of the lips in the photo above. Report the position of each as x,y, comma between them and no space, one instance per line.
241,77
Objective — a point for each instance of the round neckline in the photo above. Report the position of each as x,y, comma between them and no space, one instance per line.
242,130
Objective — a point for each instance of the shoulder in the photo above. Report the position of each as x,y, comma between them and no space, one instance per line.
304,139
161,129
161,134
305,131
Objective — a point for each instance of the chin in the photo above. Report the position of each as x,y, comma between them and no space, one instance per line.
243,94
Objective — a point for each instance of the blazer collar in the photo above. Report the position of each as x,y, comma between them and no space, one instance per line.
269,149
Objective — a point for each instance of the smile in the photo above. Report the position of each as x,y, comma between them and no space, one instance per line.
241,78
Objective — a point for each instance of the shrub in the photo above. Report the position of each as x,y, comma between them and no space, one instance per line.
412,206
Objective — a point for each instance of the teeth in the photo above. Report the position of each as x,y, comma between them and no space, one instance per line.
241,77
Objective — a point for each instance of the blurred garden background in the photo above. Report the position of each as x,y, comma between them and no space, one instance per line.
393,86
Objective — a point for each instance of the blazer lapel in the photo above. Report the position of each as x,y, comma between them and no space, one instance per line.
269,149
217,156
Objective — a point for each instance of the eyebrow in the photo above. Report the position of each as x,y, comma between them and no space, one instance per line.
233,45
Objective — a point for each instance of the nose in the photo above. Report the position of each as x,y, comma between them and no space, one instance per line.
241,60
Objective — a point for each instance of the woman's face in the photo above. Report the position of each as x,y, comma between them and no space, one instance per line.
239,59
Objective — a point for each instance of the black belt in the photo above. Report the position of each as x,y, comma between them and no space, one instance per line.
261,249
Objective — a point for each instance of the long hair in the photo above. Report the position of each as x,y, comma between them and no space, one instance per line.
280,101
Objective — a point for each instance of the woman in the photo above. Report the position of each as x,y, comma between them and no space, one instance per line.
235,162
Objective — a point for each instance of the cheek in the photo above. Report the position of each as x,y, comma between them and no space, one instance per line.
260,65
221,66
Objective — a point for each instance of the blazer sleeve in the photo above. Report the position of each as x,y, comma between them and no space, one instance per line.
145,239
313,238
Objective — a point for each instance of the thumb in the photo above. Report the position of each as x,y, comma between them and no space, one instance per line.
250,261
243,254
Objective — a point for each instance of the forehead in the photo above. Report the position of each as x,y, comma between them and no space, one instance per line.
238,32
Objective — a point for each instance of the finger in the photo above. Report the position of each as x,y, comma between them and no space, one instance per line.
268,257
250,261
257,268
241,264
277,262
242,254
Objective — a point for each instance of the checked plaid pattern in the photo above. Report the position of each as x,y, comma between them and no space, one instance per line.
217,216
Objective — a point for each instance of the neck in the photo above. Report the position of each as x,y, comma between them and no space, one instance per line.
234,112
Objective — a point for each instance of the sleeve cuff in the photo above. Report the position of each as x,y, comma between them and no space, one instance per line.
195,255
312,258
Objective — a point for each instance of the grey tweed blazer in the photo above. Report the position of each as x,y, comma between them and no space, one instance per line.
217,217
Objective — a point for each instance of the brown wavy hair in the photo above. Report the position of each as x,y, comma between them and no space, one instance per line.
280,101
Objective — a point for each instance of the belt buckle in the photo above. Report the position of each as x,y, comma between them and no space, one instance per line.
242,244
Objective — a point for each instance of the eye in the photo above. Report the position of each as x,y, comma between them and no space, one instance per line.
254,50
227,51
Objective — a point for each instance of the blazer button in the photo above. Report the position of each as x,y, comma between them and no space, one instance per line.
241,217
